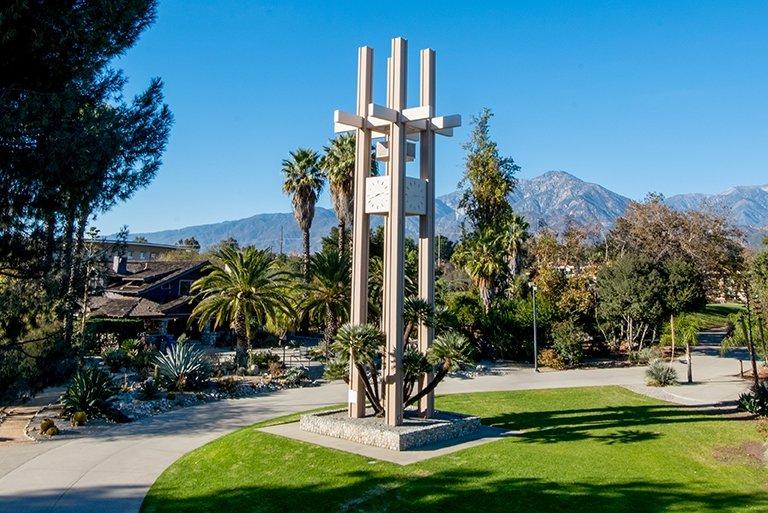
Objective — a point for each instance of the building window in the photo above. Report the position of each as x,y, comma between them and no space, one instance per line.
130,254
184,286
152,256
141,255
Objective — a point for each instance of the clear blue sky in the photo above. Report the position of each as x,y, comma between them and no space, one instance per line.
668,96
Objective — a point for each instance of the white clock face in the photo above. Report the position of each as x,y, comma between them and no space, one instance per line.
415,196
377,195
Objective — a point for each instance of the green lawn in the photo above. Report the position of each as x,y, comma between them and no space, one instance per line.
715,315
585,450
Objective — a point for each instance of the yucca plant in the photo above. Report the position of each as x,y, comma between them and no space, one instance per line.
182,367
660,374
91,391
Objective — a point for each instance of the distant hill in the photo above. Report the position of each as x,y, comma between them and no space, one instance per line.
554,200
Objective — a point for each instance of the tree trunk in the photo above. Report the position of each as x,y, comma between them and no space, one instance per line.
750,341
330,330
672,330
304,321
443,372
342,236
408,330
305,236
73,280
241,344
485,295
688,358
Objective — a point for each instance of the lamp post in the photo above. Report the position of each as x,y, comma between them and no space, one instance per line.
535,334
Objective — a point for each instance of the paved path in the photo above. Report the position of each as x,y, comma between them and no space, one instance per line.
110,472
16,418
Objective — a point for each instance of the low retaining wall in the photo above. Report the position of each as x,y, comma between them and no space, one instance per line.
414,432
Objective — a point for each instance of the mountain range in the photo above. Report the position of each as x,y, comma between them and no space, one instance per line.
554,200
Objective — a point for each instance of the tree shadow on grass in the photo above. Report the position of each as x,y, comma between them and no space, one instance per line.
582,424
461,491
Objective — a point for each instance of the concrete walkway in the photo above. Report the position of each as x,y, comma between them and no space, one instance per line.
112,471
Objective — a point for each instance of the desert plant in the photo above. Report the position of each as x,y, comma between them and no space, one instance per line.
148,390
183,367
550,358
447,353
52,431
78,418
264,359
567,339
337,368
415,364
275,369
645,355
46,424
755,401
228,386
660,374
294,376
115,359
91,391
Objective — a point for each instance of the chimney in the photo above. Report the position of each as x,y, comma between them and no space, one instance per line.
119,264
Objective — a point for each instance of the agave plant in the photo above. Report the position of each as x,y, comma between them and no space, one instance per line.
91,391
182,367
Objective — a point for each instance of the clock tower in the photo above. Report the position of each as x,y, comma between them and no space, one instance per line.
397,131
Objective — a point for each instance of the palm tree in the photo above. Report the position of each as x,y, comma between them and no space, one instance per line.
242,289
416,311
448,352
338,163
517,234
482,257
689,335
363,343
303,182
328,294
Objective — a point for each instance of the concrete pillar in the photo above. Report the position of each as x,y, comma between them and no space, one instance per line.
427,221
395,265
360,234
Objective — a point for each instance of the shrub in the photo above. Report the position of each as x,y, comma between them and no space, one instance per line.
660,374
228,385
183,367
148,390
78,418
139,356
275,369
645,355
755,401
294,376
264,359
170,396
46,424
337,368
52,431
91,391
115,359
550,358
567,339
